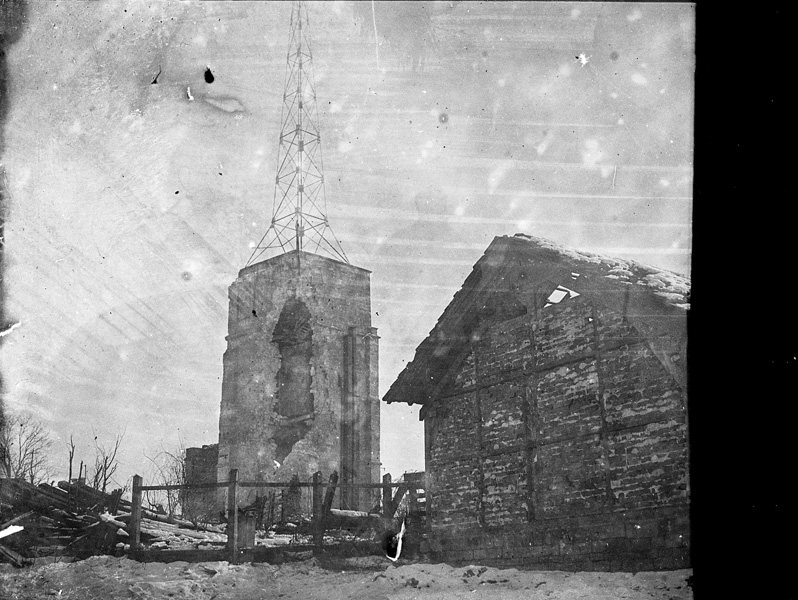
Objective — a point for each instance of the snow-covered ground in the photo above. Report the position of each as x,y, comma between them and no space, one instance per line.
370,578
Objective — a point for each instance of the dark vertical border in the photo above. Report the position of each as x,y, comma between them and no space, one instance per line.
13,15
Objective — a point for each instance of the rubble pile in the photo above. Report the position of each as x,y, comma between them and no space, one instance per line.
72,520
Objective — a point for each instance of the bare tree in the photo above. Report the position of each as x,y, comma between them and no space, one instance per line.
71,446
169,468
24,445
105,463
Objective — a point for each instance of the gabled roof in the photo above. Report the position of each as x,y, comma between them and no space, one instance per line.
518,273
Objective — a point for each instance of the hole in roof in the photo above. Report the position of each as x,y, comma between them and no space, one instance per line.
558,295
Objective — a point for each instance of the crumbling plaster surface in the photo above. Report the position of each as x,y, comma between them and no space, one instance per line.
338,297
560,441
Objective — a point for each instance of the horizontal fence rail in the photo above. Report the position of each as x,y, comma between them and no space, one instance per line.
273,484
392,493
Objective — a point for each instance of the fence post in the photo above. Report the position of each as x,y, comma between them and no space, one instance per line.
318,511
317,497
387,497
320,525
135,514
232,516
292,501
330,495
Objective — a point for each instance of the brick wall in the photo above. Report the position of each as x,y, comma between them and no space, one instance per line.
561,444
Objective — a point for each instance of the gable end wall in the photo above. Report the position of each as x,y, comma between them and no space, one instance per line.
560,444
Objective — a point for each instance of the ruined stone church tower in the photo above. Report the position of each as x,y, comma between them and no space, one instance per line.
299,393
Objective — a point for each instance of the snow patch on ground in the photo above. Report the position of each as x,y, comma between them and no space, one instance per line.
108,577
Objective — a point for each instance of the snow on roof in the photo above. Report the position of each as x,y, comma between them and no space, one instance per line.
672,287
655,300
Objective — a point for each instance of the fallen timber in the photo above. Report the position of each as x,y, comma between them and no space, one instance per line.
73,520
327,523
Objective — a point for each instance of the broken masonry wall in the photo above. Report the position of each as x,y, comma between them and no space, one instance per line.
560,443
269,429
200,467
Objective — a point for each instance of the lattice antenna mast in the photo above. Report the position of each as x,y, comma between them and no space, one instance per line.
299,215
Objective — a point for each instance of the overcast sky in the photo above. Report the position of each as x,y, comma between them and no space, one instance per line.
136,188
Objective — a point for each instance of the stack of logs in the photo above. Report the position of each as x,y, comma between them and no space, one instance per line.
71,519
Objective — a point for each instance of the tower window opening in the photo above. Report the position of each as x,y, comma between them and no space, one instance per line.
294,405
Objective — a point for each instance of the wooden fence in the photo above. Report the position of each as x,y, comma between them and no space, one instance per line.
392,494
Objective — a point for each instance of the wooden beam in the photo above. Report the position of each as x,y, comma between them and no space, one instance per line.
397,497
306,484
17,518
192,486
15,558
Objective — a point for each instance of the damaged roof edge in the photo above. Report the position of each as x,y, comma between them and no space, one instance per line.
592,274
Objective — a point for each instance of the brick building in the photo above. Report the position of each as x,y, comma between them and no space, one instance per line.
299,391
553,393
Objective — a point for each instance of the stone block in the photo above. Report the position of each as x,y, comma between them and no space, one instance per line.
618,546
640,546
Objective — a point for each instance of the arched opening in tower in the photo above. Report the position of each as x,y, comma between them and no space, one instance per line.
294,401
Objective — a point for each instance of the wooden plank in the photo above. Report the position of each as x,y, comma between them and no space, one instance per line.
146,514
355,520
192,486
309,484
15,519
259,484
351,514
397,497
15,558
